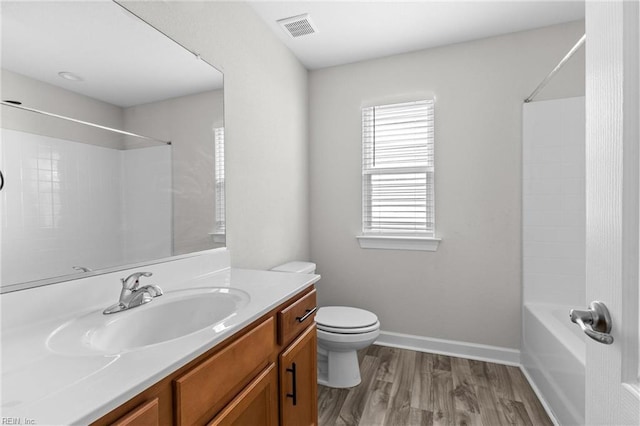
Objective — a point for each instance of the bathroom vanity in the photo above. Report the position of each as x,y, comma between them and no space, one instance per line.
256,365
237,381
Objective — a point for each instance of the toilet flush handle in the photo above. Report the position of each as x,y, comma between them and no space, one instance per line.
308,313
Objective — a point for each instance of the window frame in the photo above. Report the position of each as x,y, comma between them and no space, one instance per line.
396,236
220,226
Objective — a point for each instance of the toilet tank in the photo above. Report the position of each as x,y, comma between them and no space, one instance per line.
297,266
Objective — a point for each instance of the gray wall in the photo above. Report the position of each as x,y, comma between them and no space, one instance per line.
47,97
470,289
188,122
266,137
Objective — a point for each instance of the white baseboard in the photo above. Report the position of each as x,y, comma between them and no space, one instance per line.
450,347
541,398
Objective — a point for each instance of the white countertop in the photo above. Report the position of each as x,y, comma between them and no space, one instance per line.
50,388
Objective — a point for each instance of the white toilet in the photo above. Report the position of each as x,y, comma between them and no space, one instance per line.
342,331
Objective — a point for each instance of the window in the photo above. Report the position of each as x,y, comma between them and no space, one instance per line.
219,179
398,174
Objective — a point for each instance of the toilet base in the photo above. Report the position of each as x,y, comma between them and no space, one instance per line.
338,369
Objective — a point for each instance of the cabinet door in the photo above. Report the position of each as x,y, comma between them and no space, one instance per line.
145,415
202,392
256,405
298,381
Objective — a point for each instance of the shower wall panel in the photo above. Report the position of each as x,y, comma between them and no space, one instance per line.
553,263
68,204
553,202
60,205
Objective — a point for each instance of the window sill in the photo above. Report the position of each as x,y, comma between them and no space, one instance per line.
398,242
218,237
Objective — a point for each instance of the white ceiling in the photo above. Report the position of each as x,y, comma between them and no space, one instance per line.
122,60
352,31
125,62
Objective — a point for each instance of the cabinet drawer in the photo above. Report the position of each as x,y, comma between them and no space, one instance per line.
209,386
145,415
296,317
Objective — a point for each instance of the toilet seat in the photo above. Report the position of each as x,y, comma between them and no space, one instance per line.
342,330
346,320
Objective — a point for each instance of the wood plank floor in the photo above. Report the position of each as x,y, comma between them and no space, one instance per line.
402,387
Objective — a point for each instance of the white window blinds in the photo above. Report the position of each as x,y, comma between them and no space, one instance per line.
219,179
398,169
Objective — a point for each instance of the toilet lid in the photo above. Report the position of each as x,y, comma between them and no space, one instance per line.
344,317
342,330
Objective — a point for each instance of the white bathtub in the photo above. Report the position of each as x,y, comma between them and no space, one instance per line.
553,354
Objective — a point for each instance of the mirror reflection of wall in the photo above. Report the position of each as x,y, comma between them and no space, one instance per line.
77,197
190,123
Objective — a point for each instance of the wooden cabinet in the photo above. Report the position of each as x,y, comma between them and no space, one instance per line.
298,362
264,375
208,387
298,381
295,318
257,404
145,415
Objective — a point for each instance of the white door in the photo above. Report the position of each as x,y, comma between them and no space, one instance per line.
612,392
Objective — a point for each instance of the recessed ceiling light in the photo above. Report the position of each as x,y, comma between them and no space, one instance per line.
70,76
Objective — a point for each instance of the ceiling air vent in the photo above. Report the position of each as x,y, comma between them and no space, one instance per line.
298,26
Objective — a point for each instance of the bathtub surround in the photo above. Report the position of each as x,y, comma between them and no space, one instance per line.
553,359
470,289
553,202
66,195
266,104
553,258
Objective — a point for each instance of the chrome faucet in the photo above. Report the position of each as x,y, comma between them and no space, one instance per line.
132,295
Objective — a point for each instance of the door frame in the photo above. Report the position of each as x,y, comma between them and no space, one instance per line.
613,194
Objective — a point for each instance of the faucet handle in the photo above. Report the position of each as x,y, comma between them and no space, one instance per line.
132,281
153,290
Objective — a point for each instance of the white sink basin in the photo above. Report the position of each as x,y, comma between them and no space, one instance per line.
168,317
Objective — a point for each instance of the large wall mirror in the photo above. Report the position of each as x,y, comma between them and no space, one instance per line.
112,144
